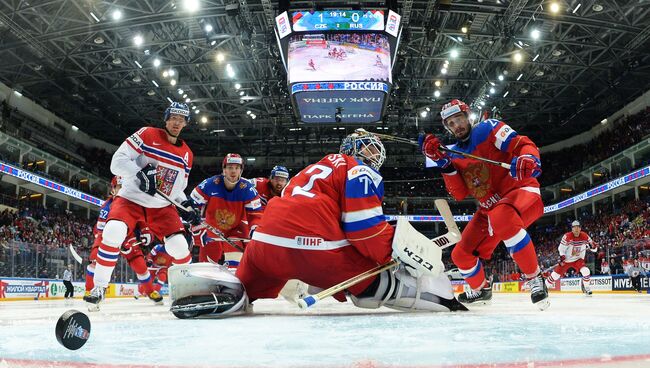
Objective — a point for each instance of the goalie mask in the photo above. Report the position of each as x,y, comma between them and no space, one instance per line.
366,147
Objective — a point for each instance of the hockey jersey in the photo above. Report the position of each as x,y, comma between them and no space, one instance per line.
103,216
334,203
159,257
227,210
488,183
150,146
263,189
574,247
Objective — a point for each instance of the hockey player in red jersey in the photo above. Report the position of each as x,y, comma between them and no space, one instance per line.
272,186
509,200
572,249
311,64
148,161
159,262
327,227
232,206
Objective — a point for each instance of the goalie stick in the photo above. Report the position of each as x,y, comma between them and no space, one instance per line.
443,241
75,255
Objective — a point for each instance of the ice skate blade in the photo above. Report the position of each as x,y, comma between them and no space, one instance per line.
543,304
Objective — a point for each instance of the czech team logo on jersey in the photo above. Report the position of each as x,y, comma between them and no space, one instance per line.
166,178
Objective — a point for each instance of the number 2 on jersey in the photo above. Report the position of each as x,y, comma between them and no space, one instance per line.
324,172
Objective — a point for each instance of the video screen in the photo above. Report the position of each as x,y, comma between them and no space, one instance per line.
339,57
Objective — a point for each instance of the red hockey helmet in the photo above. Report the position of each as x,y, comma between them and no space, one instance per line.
233,158
453,107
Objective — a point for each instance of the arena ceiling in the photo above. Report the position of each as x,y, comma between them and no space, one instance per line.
73,57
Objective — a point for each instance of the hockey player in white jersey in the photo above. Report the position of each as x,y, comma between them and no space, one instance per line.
572,249
150,160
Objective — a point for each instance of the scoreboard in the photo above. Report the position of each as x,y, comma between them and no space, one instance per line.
333,20
339,62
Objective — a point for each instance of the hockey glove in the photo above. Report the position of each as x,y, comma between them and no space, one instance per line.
430,146
561,263
193,216
146,236
525,166
147,177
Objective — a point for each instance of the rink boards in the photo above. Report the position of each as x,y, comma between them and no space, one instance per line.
35,289
598,284
12,289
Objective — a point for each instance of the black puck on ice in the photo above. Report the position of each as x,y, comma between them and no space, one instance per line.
72,329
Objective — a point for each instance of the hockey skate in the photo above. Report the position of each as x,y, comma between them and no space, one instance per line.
585,289
539,292
483,296
95,297
156,297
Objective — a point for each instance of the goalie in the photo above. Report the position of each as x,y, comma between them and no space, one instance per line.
326,228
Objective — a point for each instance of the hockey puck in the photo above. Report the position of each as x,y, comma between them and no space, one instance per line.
72,329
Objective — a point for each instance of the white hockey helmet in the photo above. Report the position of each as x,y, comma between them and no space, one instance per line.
575,223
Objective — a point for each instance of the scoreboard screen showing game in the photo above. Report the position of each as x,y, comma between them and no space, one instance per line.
362,20
338,57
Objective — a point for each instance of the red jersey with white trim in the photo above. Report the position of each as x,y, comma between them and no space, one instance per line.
159,256
228,209
574,247
334,203
488,183
172,161
263,187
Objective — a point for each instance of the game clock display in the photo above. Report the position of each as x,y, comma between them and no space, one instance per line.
357,20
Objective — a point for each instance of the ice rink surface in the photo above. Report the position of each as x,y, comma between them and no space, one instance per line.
605,330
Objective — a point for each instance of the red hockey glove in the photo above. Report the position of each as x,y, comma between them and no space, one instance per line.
525,166
430,146
561,263
146,236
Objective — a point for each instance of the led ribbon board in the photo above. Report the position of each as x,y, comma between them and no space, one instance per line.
611,185
49,184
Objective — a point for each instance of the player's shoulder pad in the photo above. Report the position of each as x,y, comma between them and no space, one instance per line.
361,169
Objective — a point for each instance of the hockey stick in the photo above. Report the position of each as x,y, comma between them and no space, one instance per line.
222,236
442,148
204,224
452,237
75,255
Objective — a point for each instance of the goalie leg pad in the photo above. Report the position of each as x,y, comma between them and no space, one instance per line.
197,305
401,291
416,250
204,288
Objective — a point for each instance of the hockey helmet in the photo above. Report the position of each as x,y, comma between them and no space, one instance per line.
178,108
362,145
233,158
279,171
575,223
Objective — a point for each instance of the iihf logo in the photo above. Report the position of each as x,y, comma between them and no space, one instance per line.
74,329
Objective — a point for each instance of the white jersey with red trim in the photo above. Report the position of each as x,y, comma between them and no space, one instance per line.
150,146
574,247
